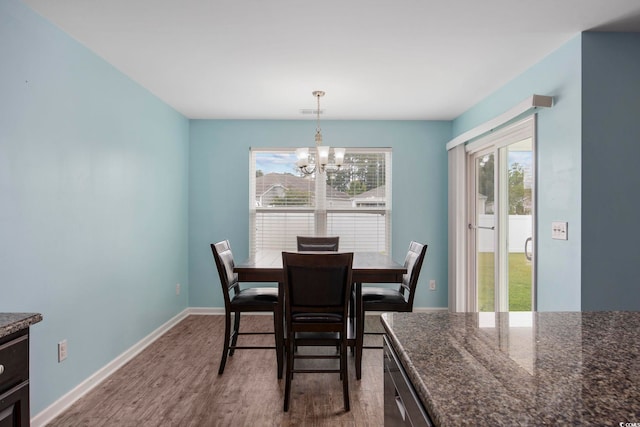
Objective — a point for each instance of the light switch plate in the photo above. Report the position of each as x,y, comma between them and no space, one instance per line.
559,230
62,350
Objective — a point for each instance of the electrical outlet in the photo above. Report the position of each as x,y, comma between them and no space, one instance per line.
177,288
62,350
432,285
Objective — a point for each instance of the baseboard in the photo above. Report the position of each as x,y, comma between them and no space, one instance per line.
429,309
57,407
416,310
206,311
216,311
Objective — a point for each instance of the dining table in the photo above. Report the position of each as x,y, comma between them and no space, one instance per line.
367,267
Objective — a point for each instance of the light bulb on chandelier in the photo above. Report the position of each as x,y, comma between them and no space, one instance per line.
321,155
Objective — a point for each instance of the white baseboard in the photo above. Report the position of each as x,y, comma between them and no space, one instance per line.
57,407
415,310
206,311
216,311
429,309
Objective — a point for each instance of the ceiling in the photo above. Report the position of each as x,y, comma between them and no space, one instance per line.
376,59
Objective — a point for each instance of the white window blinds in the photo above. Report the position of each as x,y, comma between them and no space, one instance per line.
353,202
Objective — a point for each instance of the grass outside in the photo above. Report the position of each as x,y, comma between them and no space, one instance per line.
519,282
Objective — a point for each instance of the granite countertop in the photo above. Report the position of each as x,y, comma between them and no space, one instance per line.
522,368
14,322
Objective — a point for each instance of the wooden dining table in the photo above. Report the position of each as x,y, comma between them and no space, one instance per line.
368,267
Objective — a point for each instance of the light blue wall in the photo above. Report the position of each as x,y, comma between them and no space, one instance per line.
93,193
219,190
611,176
558,167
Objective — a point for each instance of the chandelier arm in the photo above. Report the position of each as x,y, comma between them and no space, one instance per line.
305,170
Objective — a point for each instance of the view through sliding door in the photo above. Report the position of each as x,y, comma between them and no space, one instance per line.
500,220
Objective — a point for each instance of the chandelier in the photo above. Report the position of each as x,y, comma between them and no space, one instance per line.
305,162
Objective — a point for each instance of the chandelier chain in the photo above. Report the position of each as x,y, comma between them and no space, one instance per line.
318,94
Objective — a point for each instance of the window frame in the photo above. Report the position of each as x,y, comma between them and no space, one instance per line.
324,216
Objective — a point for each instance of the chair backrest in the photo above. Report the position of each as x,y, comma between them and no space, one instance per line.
317,283
224,262
308,243
413,264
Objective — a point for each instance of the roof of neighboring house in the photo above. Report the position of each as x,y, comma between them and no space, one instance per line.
290,182
374,193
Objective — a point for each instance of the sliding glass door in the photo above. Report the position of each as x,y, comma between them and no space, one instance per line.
501,207
483,229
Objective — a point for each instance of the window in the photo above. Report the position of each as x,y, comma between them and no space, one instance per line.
353,202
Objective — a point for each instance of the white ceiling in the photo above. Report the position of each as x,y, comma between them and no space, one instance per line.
376,59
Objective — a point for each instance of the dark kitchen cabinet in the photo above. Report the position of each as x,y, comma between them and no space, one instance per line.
14,379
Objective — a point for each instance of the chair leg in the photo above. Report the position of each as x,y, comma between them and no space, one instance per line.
279,338
359,343
344,374
236,330
287,387
225,349
352,307
352,317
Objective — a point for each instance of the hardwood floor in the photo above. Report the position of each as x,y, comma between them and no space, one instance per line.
174,382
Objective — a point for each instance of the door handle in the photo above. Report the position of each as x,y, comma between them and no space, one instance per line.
401,408
526,243
480,227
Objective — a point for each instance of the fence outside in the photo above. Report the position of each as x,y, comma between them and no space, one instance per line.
520,229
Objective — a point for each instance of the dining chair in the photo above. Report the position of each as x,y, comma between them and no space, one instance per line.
316,293
312,243
318,244
398,299
238,300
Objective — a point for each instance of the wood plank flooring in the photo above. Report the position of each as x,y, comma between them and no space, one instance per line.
174,382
